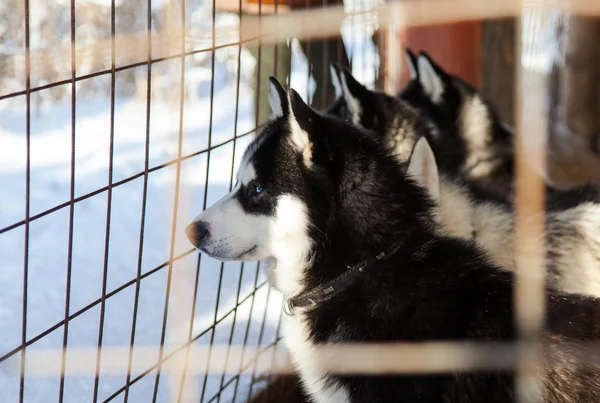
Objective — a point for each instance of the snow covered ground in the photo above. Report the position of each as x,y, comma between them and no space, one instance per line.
50,157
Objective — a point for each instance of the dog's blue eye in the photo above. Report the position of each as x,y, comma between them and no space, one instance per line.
258,189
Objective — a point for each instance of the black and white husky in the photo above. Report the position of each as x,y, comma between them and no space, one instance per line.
350,237
469,130
466,123
469,211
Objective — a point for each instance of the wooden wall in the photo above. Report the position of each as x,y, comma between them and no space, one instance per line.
456,46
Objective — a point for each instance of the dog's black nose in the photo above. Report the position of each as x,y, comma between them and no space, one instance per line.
196,232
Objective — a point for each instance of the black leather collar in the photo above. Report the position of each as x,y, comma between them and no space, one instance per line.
310,299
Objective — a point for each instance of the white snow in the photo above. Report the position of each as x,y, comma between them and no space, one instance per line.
48,238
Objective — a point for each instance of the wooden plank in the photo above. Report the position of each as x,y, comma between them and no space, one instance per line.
251,8
455,46
266,7
498,65
574,105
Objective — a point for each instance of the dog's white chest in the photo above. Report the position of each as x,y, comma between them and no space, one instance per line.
309,359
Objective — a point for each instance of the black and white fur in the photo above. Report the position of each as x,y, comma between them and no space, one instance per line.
572,240
466,210
466,123
315,195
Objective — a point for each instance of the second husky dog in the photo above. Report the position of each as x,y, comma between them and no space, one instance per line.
467,211
349,235
468,124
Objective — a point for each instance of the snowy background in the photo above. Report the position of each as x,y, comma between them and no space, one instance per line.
256,319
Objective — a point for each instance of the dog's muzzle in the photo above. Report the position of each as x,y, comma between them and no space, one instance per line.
197,232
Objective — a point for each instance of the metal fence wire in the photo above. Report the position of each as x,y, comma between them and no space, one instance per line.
124,120
120,121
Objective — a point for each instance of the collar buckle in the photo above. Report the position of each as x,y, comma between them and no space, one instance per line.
288,308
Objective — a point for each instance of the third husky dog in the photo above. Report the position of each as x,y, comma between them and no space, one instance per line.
348,234
467,211
468,124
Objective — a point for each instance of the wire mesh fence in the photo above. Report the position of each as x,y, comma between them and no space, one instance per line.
123,120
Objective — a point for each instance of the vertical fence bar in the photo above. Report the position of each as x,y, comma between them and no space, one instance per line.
290,46
210,129
365,31
183,381
272,365
308,54
351,46
212,333
259,66
260,337
275,73
326,72
237,380
235,128
144,198
530,136
339,46
324,68
380,45
231,332
27,200
394,52
289,85
258,75
108,198
71,207
176,199
275,49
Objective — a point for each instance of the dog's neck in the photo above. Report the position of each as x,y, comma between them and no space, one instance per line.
455,210
376,215
323,292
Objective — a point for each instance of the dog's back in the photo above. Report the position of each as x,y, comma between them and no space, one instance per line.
448,292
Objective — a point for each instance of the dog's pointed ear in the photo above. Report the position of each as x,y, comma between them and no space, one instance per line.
411,62
278,99
354,94
423,168
431,76
335,71
302,122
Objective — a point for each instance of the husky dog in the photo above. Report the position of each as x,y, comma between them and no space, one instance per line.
571,239
468,211
384,115
396,120
466,123
349,236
